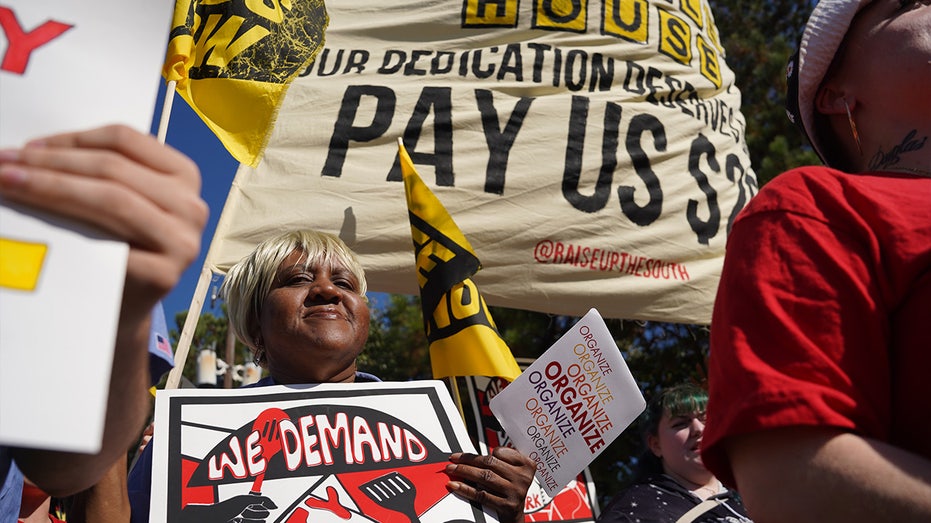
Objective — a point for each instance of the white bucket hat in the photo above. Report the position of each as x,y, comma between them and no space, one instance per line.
824,32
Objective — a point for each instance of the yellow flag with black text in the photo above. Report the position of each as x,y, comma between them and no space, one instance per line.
234,59
464,340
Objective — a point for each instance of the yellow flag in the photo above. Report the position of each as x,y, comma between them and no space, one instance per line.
463,338
234,59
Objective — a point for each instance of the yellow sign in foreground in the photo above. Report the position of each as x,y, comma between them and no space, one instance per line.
20,263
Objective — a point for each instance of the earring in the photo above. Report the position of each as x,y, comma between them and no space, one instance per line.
259,356
853,127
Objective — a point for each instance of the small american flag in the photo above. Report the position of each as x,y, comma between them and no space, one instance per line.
161,356
162,344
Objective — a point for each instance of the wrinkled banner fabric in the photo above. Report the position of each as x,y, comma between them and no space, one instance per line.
592,152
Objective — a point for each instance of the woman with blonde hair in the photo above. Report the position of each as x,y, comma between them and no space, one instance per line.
298,301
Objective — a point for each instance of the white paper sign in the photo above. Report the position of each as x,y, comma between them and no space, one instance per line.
70,65
66,66
567,407
359,452
57,334
576,503
564,138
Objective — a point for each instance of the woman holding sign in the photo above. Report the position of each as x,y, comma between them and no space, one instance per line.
672,481
298,301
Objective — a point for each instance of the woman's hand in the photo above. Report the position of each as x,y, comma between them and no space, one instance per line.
498,481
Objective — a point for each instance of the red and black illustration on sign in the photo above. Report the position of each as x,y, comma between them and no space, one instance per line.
314,456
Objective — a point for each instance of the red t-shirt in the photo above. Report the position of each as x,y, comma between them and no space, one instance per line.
823,312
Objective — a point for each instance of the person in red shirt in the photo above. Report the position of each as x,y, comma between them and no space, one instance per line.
820,345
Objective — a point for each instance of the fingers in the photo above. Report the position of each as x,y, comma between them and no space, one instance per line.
513,457
106,167
110,156
146,437
124,183
137,147
502,462
125,210
498,481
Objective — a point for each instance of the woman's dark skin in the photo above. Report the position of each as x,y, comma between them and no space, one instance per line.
314,323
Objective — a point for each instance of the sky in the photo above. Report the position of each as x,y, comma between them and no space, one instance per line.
187,133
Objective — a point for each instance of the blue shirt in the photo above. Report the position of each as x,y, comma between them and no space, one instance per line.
11,489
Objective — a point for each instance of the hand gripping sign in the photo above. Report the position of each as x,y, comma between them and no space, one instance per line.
571,403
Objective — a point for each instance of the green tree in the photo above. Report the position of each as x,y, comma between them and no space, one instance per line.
397,346
210,333
758,37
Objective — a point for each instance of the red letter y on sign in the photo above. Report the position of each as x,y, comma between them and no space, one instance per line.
20,44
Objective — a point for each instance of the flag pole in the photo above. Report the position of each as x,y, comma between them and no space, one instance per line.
457,398
197,301
190,323
166,111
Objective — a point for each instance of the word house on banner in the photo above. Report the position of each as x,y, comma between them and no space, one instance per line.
593,152
324,453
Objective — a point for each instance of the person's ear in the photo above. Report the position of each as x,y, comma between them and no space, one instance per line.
830,100
653,443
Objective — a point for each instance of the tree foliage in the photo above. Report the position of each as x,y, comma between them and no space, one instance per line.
210,333
758,37
397,347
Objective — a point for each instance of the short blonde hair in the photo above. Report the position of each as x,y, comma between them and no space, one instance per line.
250,280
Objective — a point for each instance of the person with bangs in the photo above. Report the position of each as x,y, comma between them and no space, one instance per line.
298,301
672,484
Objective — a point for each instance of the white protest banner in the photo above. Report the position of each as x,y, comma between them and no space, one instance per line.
325,453
576,502
571,403
66,66
592,152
